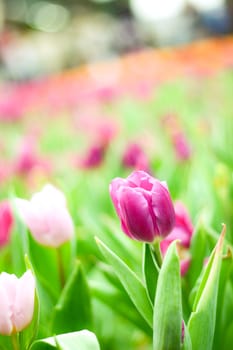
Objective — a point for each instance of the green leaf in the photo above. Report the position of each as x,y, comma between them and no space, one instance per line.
125,307
198,251
5,343
201,324
150,270
47,303
132,284
19,247
168,306
73,310
82,340
222,321
187,344
44,262
27,336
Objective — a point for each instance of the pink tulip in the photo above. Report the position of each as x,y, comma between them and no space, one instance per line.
181,146
28,159
179,140
134,157
183,222
143,205
6,222
94,157
182,231
16,302
47,217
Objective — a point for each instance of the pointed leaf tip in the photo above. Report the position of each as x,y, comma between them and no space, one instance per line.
221,238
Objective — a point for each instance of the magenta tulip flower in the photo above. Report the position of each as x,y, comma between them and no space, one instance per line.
47,217
143,205
16,302
6,222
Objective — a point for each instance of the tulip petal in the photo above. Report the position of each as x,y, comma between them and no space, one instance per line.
136,215
52,194
47,217
24,301
5,309
182,218
113,189
163,209
141,179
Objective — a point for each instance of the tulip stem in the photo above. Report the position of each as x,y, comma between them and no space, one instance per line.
60,268
157,252
15,341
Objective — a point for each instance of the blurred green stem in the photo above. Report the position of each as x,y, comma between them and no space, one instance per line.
61,271
157,251
15,341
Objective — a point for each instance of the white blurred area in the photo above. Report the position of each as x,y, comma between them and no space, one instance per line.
176,21
61,38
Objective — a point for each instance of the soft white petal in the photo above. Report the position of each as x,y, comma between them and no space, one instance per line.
50,194
24,301
5,314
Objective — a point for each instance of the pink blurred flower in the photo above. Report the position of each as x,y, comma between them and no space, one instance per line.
6,222
28,158
179,140
182,231
47,217
143,205
16,302
93,158
181,146
106,132
183,222
101,134
134,157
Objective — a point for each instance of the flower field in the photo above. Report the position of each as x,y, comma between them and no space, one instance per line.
116,204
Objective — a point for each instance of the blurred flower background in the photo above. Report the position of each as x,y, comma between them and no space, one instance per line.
48,36
96,90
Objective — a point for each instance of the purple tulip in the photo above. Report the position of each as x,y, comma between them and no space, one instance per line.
143,205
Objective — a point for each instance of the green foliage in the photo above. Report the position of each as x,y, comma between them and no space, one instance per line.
201,324
118,289
132,284
167,306
82,340
73,309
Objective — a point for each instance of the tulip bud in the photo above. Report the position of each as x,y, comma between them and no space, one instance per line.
6,222
16,302
143,205
47,217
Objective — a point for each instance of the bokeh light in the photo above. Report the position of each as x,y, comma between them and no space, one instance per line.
156,10
48,17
